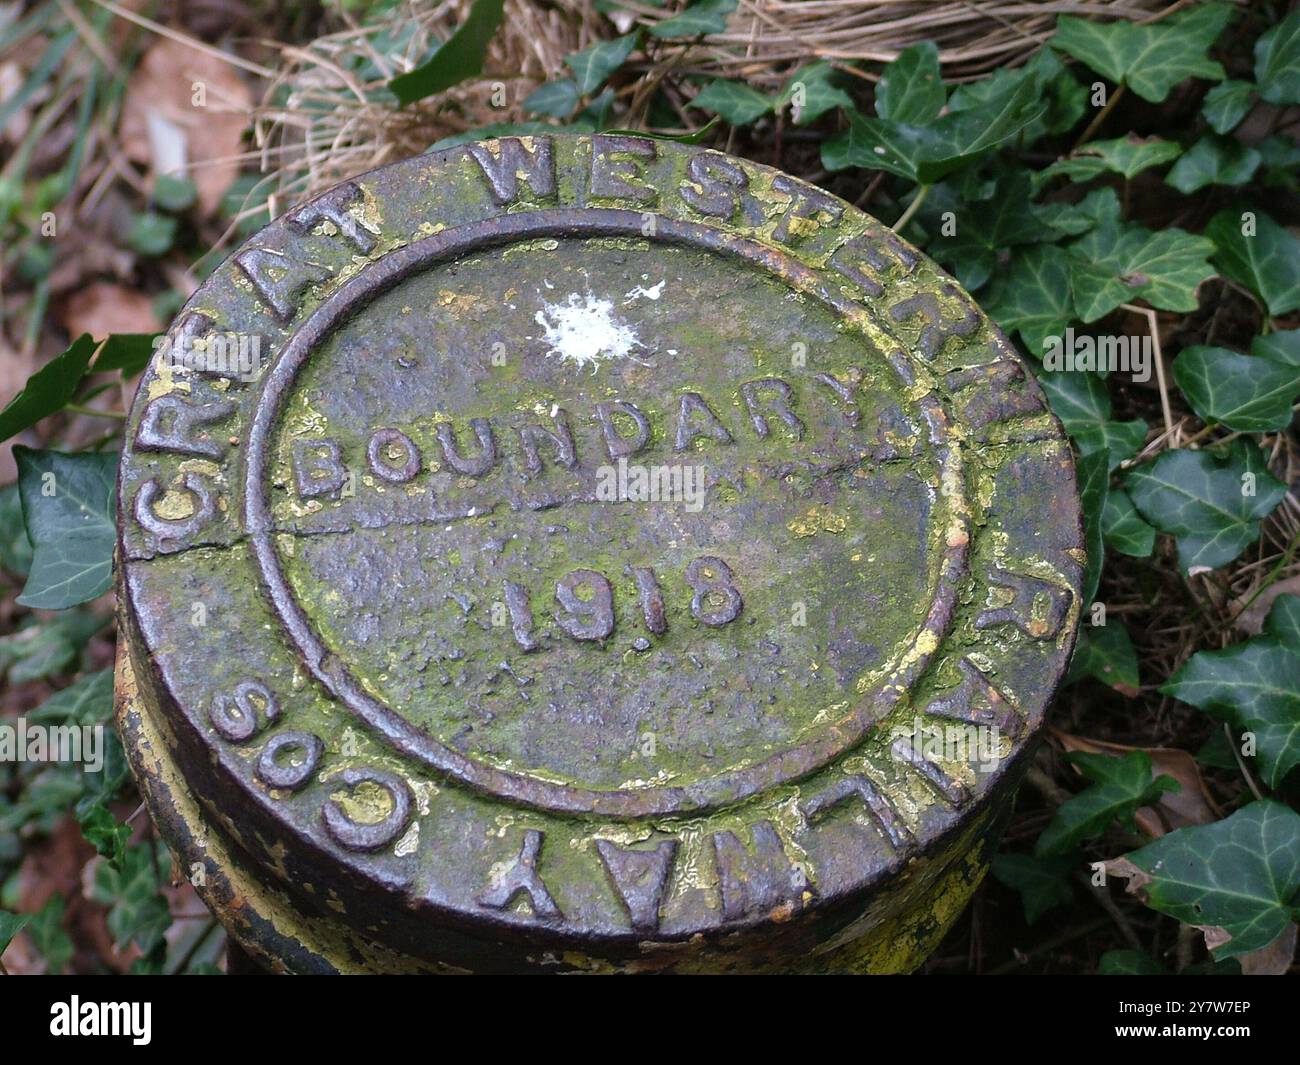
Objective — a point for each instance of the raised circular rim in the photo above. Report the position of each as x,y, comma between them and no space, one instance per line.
833,739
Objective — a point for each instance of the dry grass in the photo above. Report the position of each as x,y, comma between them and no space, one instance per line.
326,116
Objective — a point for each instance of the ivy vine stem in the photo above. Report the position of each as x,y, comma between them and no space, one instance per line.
922,192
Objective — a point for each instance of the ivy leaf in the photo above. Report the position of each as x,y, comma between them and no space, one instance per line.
1105,653
593,66
1094,480
87,701
983,229
138,912
1227,104
1237,879
910,90
1082,402
1033,297
459,57
1252,685
1213,160
1128,963
734,101
1277,62
71,529
1282,346
49,389
1071,219
1123,528
1065,99
1267,262
127,352
1117,263
10,925
698,20
554,98
815,83
45,929
1127,156
105,833
1244,392
1200,498
43,648
1043,884
15,548
1120,785
929,153
1150,58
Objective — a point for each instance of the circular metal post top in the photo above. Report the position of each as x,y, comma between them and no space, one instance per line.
589,544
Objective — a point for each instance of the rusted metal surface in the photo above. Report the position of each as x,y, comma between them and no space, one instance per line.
589,553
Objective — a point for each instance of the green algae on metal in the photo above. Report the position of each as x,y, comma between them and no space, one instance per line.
622,556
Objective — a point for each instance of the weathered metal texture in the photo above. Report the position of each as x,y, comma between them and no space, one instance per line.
425,682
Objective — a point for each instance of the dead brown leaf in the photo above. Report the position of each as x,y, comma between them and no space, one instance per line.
103,308
1273,960
1251,620
163,128
1190,805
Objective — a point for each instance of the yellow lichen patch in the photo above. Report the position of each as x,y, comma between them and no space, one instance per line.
166,380
817,519
458,302
366,804
175,505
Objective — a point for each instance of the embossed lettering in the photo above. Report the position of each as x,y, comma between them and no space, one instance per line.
514,161
171,423
522,876
760,880
616,167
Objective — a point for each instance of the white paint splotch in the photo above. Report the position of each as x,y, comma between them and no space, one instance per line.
585,330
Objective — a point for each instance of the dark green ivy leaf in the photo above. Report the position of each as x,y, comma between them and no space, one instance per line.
49,389
1042,883
815,85
1213,160
137,910
1277,62
734,101
1239,878
1128,963
1254,686
1106,653
1118,262
1150,58
1227,104
928,153
460,56
15,548
10,925
593,65
1202,498
910,90
1123,528
1126,156
45,929
1266,261
68,507
1033,296
699,19
1244,392
1094,480
1120,785
554,98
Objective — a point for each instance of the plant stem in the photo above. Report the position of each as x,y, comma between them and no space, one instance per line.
1099,118
921,193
